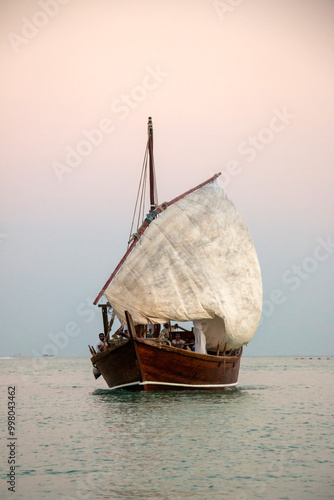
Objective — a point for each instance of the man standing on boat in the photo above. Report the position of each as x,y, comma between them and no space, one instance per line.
102,343
165,333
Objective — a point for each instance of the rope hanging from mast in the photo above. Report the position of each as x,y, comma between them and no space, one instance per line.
148,169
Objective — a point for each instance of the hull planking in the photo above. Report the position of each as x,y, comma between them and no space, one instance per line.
143,365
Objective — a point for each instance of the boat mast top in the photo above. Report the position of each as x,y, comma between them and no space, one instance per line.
153,186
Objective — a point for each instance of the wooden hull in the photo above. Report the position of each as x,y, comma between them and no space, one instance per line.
144,365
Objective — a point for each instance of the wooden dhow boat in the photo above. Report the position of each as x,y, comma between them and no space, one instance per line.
190,260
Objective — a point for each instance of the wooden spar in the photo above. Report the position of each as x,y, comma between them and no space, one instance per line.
129,250
132,333
181,328
105,318
92,350
213,178
151,165
144,226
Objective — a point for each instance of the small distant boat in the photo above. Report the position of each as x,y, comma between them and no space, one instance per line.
191,259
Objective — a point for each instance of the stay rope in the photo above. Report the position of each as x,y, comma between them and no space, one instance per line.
140,200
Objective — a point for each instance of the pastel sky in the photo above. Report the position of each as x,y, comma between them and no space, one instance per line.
241,87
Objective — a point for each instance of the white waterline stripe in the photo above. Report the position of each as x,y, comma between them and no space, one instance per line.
123,385
173,384
188,385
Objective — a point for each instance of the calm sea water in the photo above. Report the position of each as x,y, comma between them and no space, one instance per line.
272,438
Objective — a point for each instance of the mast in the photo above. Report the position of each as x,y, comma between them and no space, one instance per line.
153,188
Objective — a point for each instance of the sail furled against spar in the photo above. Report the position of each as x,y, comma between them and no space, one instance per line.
195,261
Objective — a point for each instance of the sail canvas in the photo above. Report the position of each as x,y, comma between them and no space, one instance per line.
195,261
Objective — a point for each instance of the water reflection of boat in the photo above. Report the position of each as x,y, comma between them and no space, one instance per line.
191,259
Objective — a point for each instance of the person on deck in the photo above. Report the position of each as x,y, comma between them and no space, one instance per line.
200,340
102,343
167,329
178,342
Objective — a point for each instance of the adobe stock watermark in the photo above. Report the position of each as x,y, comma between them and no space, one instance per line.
121,107
224,7
86,312
60,340
297,274
255,144
31,27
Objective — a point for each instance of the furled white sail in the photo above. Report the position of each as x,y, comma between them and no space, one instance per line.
196,261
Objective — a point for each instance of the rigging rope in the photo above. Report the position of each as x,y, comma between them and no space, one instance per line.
140,200
141,193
